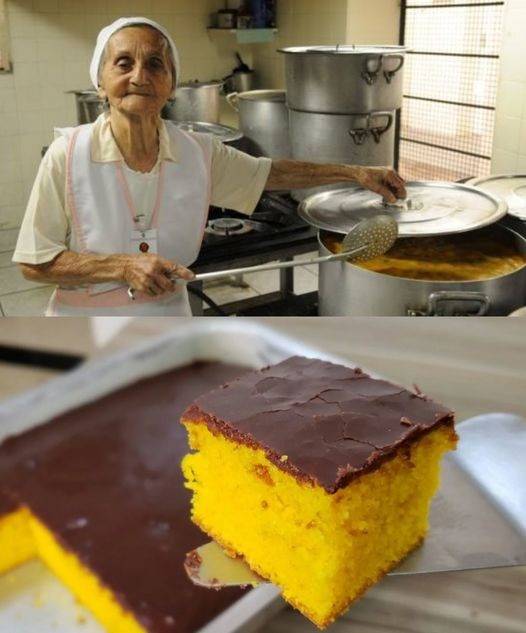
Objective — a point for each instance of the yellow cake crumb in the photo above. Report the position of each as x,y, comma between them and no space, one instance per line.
323,550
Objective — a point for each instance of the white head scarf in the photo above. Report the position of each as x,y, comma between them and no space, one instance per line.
105,34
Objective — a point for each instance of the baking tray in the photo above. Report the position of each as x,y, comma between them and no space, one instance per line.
30,597
477,518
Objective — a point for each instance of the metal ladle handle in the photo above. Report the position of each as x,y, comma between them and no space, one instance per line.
220,274
276,266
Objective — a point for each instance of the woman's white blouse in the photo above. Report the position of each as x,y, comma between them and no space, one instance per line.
238,180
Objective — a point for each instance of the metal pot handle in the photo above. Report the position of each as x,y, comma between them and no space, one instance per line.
389,74
360,134
445,296
378,131
232,100
370,74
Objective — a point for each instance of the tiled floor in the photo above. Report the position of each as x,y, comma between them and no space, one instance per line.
19,297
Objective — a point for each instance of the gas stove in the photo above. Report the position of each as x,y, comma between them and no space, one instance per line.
274,224
274,232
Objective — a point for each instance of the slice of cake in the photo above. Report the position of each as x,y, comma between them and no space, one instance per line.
318,475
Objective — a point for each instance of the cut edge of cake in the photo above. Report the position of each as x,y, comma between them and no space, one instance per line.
23,537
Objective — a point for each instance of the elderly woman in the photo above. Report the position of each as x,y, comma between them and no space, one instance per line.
124,201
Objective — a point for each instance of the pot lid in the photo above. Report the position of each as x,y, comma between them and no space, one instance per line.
511,188
346,49
222,132
199,84
431,208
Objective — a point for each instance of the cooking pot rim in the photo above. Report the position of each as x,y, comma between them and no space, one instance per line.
434,281
231,134
252,95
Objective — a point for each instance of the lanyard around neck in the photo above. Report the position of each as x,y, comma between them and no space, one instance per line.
138,219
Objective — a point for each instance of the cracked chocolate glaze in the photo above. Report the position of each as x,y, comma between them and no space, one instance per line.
331,422
106,480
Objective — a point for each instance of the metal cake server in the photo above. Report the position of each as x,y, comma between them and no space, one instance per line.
370,238
477,520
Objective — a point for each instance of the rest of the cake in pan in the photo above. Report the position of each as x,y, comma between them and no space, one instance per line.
320,476
98,495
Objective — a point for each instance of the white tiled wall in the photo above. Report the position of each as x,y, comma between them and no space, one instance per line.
300,23
51,43
373,21
509,145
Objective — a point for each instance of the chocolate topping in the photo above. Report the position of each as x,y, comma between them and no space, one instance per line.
7,505
106,479
333,423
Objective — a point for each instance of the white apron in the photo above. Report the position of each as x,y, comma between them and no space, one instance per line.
102,213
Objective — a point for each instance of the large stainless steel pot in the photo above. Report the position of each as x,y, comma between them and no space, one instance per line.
264,121
343,79
195,101
353,139
348,290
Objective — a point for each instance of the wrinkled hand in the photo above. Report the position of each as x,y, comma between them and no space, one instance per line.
384,181
152,274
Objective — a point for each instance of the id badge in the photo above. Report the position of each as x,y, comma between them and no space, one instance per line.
144,241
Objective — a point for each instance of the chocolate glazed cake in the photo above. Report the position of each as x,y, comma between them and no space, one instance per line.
333,423
327,476
104,494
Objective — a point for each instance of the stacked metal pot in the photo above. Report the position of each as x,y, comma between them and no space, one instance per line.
342,103
263,119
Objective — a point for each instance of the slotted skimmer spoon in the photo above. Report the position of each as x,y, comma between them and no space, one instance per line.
370,238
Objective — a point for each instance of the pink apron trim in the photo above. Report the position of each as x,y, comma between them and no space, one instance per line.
77,226
117,298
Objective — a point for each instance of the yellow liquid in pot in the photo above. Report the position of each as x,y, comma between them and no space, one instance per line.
474,256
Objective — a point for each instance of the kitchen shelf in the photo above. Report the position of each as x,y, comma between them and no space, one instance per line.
248,36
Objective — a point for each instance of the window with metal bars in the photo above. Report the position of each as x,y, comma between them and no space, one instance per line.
450,87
